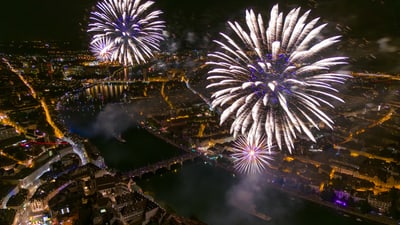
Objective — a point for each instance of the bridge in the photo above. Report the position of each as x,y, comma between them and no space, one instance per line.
125,82
162,164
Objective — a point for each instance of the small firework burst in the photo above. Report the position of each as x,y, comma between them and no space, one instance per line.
134,30
251,155
102,48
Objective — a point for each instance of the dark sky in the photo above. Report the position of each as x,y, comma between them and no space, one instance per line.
65,19
42,19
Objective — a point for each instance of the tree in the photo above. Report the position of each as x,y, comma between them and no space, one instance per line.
365,207
328,194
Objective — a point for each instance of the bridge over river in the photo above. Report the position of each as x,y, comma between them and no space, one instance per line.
162,164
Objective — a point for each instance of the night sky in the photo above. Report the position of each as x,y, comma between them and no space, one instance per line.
42,19
67,19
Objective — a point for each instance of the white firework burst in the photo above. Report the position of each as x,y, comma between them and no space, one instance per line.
102,48
134,30
273,80
251,155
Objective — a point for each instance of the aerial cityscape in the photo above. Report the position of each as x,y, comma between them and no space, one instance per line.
243,112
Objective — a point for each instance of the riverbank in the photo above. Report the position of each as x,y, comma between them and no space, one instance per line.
296,193
346,211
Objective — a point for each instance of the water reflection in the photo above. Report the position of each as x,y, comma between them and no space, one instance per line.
107,92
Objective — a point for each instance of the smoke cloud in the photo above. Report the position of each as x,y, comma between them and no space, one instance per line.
113,120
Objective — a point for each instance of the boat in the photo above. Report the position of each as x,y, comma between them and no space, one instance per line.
119,138
252,211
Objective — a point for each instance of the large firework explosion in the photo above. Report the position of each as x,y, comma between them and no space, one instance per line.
273,81
133,28
251,155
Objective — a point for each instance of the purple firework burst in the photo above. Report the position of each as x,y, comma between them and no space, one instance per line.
102,48
251,155
134,30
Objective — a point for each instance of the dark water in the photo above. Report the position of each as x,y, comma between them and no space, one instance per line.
140,149
198,189
123,144
202,191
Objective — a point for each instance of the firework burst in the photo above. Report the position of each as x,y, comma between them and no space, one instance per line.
134,30
102,48
251,155
273,80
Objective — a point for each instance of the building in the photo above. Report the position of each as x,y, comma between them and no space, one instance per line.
382,202
7,132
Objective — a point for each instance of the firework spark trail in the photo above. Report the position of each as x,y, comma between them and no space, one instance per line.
272,81
251,155
134,31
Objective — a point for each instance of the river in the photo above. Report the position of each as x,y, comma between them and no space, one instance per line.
196,189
